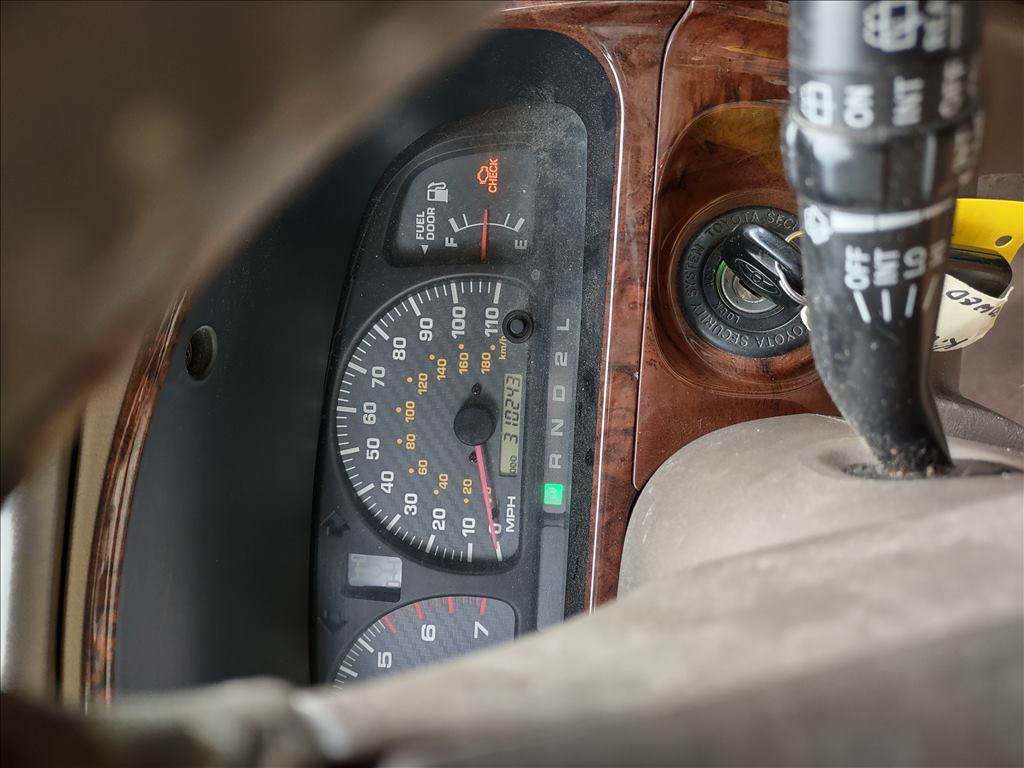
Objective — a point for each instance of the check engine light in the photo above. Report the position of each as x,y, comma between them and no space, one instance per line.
487,175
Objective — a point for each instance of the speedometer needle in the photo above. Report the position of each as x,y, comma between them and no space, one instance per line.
483,238
479,451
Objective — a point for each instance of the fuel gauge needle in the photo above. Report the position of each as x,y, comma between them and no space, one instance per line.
482,469
483,237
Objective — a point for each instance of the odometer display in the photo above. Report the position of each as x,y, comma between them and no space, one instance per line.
422,420
511,418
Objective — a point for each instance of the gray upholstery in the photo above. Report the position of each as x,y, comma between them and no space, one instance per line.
777,481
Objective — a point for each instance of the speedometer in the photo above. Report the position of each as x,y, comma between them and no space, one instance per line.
430,418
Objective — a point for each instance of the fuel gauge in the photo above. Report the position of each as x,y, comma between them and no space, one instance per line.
468,209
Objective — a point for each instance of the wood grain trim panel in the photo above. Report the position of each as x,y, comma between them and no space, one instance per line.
104,580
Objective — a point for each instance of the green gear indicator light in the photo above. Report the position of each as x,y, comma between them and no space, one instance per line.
553,494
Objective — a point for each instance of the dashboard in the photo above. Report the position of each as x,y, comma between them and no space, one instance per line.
373,447
453,384
411,416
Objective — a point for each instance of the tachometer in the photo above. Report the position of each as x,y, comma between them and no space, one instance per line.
425,632
430,418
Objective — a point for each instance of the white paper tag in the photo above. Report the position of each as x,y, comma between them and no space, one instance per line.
965,315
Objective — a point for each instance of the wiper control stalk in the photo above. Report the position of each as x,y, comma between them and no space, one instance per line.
883,130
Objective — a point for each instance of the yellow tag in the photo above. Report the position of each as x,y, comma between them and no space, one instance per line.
993,227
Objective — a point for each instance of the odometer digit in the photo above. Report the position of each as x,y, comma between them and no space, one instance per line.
511,416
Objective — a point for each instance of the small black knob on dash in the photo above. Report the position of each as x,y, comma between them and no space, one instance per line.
201,352
518,326
474,424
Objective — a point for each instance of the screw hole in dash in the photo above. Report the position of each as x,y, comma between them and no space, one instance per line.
201,352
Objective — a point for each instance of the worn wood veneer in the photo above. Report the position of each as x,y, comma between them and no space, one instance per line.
104,579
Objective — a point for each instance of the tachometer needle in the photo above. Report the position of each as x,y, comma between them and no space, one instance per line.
483,237
482,469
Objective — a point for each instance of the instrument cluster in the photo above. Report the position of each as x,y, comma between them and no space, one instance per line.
447,467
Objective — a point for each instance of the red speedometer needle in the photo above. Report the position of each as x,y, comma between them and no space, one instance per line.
482,469
483,238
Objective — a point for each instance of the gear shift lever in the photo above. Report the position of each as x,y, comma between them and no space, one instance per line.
883,129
